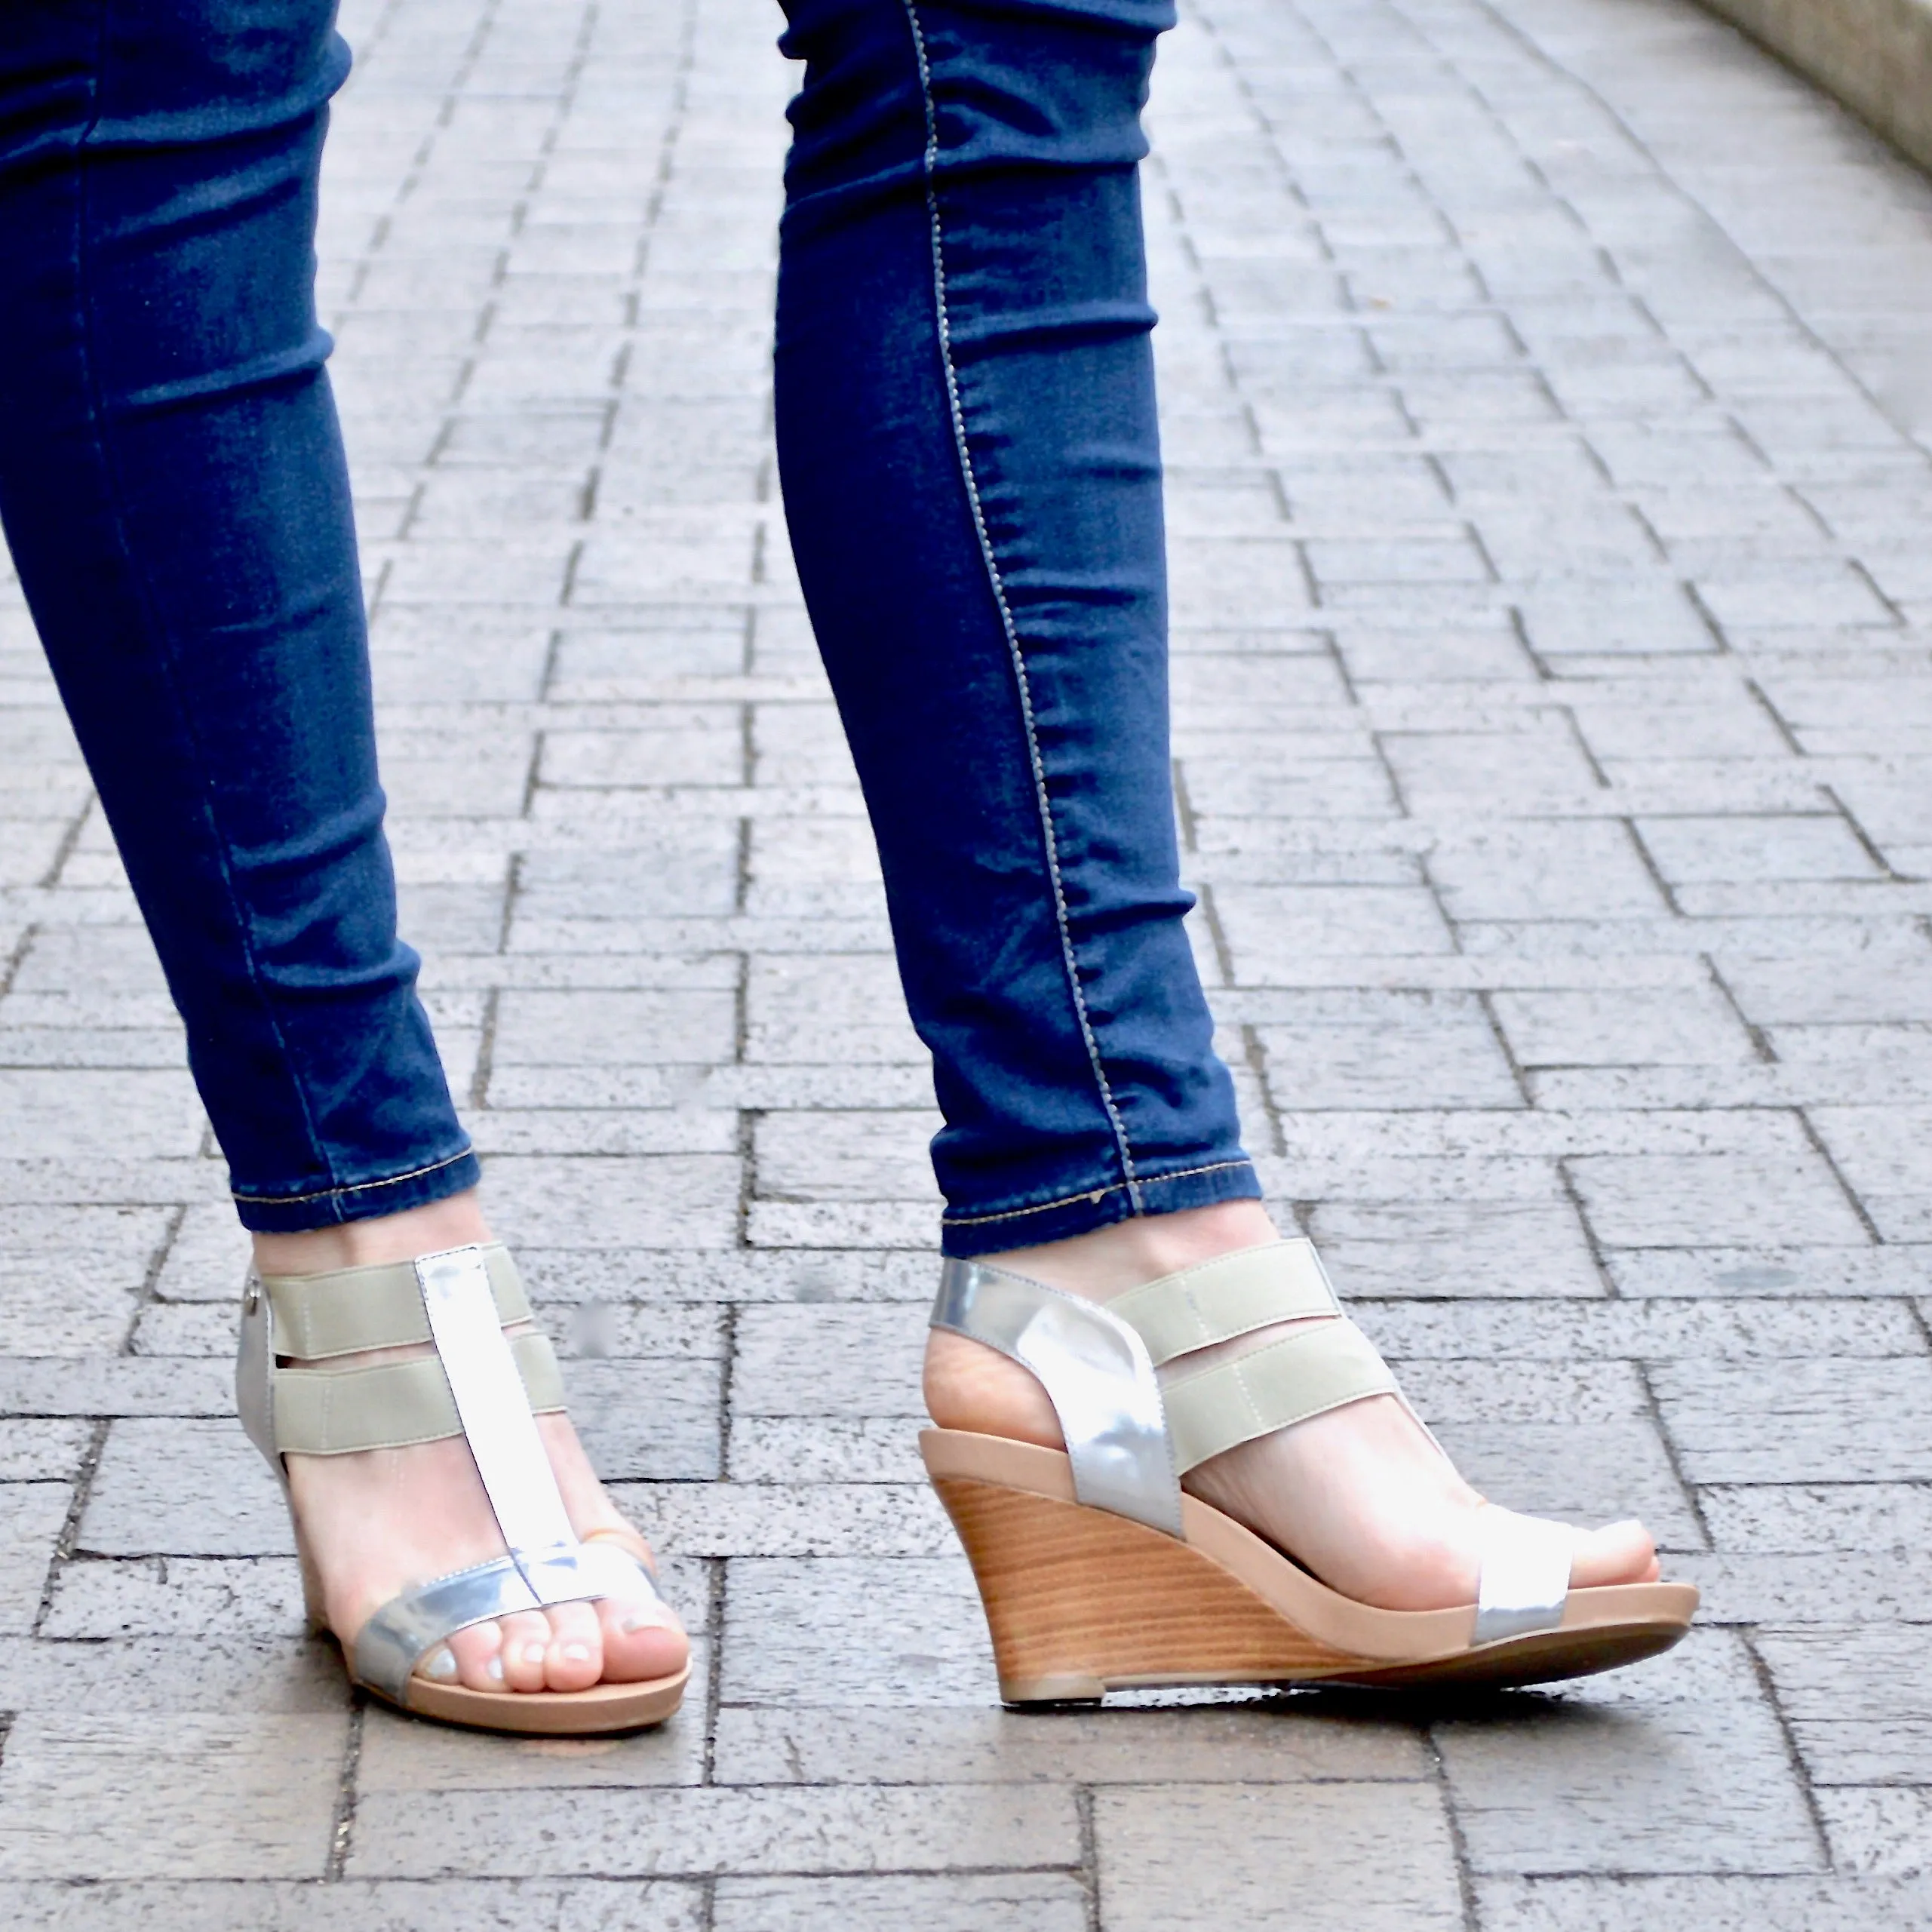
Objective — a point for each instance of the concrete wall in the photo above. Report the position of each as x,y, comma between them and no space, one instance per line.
1874,55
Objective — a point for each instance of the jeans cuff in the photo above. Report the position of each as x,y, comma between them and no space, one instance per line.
362,1200
963,1237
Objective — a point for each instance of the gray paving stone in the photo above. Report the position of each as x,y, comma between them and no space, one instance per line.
1829,1420
1856,1697
1694,1026
1533,1248
68,1276
792,1519
1732,1330
866,1360
842,1829
32,1516
1821,1519
1780,1195
1721,1904
855,1632
189,1488
352,1906
784,1448
1543,871
170,1596
42,1449
1049,1901
182,1795
1362,1855
654,1201
1404,1052
1808,1587
1881,1832
1681,1786
1280,1740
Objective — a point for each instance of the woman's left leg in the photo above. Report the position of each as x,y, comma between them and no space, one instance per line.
967,439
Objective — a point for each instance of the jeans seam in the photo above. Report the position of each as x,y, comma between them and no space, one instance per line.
951,1219
1009,631
335,1188
97,410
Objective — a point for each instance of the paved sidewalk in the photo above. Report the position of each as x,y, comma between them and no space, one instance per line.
1548,389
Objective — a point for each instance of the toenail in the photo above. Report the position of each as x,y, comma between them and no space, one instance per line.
649,1617
535,1653
441,1665
576,1653
493,1670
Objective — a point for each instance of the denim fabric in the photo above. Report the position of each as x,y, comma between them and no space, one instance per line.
972,473
174,493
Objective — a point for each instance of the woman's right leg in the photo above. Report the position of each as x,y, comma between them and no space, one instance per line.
174,495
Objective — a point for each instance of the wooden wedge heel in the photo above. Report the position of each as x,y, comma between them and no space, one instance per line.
478,1383
1098,1573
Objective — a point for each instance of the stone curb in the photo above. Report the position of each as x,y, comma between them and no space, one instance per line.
1876,56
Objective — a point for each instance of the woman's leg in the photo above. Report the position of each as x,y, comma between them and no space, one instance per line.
174,493
972,479
967,438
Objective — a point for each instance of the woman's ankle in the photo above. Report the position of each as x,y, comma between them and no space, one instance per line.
455,1222
1126,1253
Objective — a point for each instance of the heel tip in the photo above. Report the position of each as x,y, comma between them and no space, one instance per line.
1071,1688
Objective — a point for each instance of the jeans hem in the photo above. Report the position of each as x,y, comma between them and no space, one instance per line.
363,1200
964,1236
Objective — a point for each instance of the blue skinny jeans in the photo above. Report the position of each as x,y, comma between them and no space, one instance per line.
969,451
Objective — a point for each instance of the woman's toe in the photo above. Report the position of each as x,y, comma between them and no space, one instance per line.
1621,1554
476,1654
642,1639
575,1660
526,1650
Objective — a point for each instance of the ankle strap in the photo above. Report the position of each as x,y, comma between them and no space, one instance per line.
1233,1294
393,1405
351,1309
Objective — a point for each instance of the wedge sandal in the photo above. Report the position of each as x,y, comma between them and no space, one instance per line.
1098,1573
482,1385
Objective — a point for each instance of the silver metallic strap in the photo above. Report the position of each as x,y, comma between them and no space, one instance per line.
392,1405
1097,1372
351,1309
399,1635
1231,1296
1525,1574
496,1413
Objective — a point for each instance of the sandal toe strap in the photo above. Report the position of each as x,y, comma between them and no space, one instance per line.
407,1628
1525,1574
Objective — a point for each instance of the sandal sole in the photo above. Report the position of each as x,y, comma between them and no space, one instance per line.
1079,1601
598,1711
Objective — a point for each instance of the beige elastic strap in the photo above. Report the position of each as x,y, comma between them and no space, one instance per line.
1221,1299
317,1317
1320,1367
334,1411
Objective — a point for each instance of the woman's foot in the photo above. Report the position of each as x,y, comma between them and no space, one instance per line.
1359,1495
378,1521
